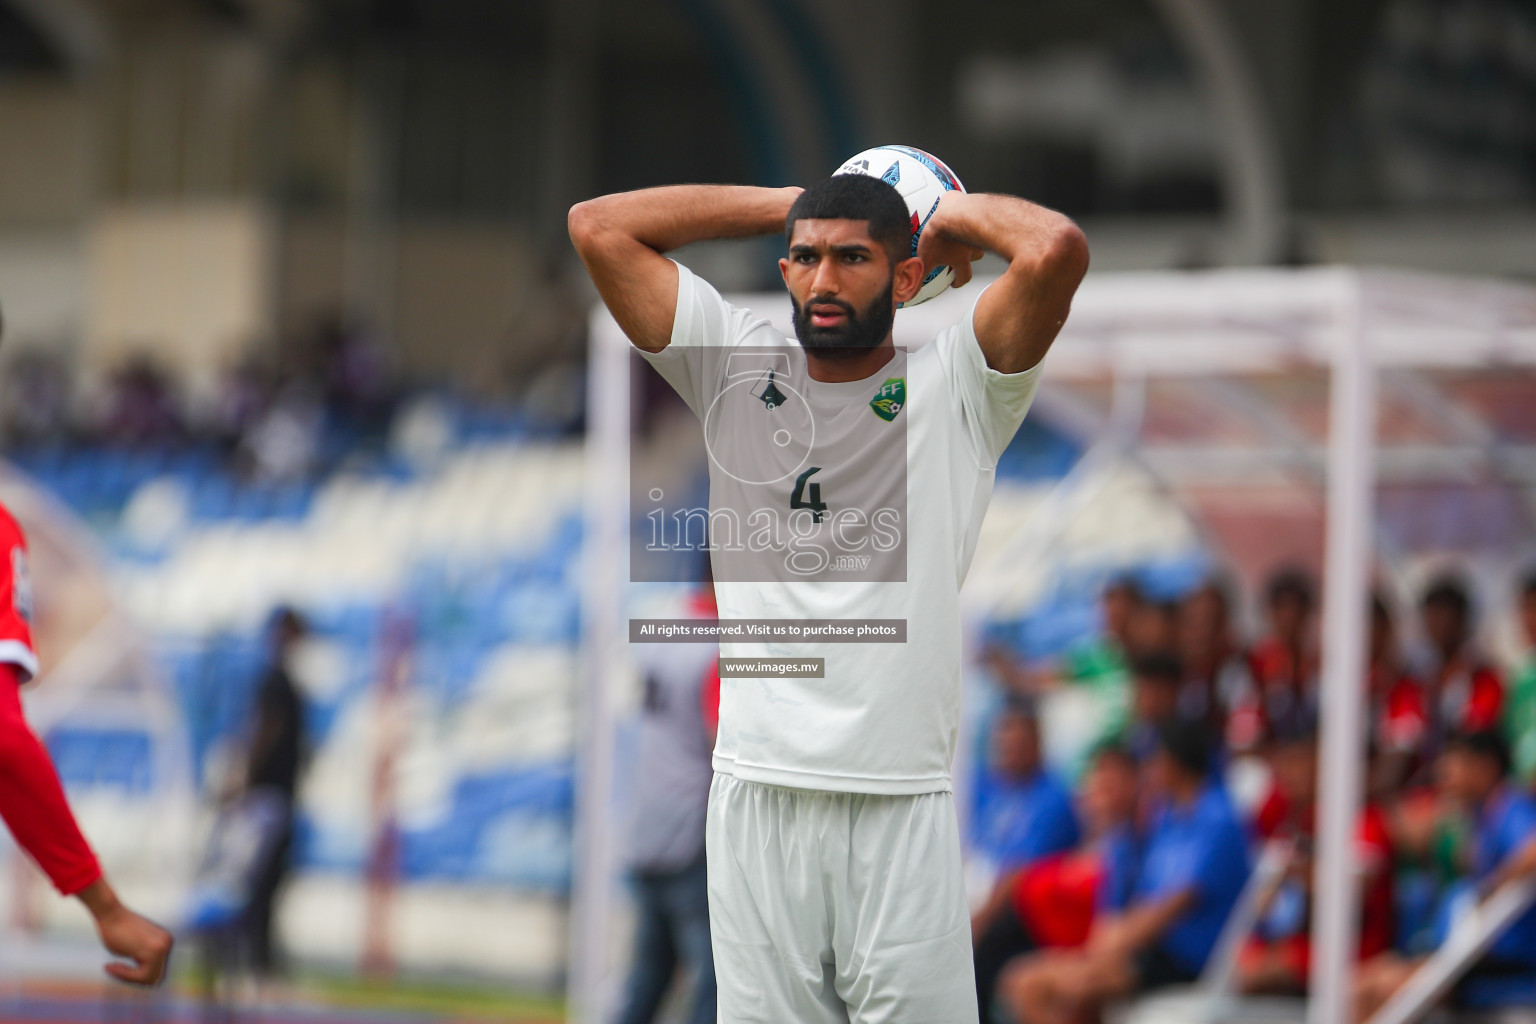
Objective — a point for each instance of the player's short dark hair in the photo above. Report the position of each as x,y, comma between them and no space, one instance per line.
1158,667
1291,583
1448,590
1187,743
858,197
1489,744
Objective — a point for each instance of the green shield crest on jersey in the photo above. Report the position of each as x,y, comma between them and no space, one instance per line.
890,398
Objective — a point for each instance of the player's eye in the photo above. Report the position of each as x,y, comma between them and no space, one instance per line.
805,258
854,257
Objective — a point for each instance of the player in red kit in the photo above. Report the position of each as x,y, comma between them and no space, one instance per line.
32,798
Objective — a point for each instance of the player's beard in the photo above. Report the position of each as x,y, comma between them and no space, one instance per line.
860,331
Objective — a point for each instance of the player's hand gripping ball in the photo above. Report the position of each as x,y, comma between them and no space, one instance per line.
922,180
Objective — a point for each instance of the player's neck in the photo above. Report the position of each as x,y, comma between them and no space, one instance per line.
840,365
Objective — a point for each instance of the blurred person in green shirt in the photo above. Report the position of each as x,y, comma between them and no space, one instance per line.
1520,712
1103,660
1102,665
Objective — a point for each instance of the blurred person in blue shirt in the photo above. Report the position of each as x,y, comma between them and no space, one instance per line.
1156,680
1051,903
1473,772
1023,811
1192,865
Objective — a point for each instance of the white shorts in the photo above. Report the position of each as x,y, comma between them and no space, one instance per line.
831,908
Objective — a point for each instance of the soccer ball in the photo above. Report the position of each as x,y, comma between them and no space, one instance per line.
921,179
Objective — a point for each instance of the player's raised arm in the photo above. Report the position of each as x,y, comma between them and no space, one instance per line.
1019,316
621,239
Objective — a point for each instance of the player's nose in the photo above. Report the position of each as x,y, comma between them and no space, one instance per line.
824,281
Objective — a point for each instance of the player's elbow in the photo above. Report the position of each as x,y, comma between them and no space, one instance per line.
1065,254
590,227
584,223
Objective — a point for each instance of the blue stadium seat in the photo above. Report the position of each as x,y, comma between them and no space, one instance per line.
1037,453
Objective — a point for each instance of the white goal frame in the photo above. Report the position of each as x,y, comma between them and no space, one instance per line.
1348,322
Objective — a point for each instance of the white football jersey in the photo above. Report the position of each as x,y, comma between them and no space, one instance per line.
826,466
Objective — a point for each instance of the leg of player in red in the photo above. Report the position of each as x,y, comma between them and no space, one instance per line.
32,798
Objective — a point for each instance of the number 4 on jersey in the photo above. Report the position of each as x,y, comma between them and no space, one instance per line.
797,499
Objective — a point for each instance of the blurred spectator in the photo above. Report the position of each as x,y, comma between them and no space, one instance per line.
1396,705
141,409
35,402
1283,664
1155,682
672,774
1473,774
1520,718
1102,661
1277,959
282,442
1023,812
355,375
249,849
1192,868
556,397
1050,904
277,755
1463,692
1154,628
243,395
1215,672
1099,665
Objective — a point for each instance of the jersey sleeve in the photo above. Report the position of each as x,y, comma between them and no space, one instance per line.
15,600
32,801
704,325
992,404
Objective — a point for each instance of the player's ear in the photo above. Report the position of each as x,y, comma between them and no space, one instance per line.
907,279
784,269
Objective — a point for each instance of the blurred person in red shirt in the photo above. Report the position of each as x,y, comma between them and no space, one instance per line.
32,800
1463,692
1454,690
1398,719
1277,958
1283,665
